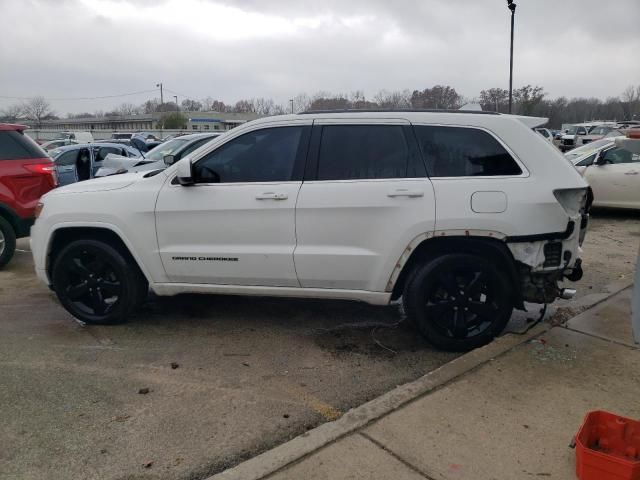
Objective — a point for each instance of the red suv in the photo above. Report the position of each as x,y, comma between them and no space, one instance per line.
26,173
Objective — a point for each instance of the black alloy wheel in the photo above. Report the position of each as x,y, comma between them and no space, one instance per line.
95,282
459,301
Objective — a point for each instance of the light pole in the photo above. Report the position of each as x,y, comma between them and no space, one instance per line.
176,97
161,97
511,6
291,101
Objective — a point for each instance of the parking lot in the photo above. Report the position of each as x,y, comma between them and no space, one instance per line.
195,384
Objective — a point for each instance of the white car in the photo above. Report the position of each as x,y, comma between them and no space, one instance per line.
612,171
464,216
546,133
160,157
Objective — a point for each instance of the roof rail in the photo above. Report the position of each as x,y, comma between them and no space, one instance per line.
397,110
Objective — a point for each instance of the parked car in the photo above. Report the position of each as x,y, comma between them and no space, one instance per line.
78,137
53,144
463,216
572,137
26,173
612,172
546,133
160,157
121,135
598,132
135,142
81,162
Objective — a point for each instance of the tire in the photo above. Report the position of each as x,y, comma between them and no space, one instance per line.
458,302
7,242
85,271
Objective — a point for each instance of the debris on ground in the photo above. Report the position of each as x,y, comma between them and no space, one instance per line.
148,464
144,391
174,365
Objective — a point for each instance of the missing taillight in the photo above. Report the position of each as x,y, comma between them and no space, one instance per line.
573,200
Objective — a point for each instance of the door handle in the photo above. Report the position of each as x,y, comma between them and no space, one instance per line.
272,196
403,192
632,172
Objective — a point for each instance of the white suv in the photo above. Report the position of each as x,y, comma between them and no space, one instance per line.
463,215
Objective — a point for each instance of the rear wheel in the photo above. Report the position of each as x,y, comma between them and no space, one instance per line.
7,242
96,283
458,301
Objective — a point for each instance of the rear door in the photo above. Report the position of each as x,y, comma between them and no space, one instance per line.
365,197
616,182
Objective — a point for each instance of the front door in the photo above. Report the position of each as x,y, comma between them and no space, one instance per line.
615,180
366,196
66,167
236,225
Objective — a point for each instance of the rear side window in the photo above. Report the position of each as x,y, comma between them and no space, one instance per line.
358,152
464,152
17,146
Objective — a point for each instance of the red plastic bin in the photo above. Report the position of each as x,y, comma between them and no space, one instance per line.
608,447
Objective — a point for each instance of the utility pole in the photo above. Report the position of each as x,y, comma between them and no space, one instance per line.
176,97
291,101
511,6
161,96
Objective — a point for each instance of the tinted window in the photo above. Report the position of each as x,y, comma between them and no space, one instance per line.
349,152
193,146
16,146
463,152
620,155
266,155
587,161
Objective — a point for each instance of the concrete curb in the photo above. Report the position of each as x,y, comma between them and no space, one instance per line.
283,455
296,449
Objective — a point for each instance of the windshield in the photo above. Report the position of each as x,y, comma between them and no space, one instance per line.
600,130
166,148
587,149
572,130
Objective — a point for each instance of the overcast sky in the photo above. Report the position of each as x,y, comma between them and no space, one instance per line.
232,49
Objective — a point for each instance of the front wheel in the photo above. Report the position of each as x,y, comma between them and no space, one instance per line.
95,282
458,301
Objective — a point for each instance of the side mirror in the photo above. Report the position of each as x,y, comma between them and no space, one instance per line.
169,160
185,172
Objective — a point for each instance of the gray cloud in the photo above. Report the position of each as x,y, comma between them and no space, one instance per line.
70,48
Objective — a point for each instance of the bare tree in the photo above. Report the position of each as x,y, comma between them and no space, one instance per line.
189,105
631,101
12,113
243,106
128,109
301,103
396,99
150,106
37,109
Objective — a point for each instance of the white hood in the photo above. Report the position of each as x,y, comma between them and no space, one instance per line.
114,182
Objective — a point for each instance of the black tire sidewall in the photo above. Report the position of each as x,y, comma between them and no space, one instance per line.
9,242
127,274
413,299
